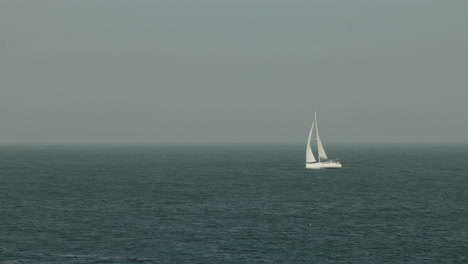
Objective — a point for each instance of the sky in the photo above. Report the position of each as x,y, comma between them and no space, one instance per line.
243,71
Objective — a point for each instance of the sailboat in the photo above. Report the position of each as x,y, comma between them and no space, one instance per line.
323,161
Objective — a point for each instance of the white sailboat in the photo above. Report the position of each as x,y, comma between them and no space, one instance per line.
323,161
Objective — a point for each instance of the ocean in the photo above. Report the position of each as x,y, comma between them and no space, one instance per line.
233,204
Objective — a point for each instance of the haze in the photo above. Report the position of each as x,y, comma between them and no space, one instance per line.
233,71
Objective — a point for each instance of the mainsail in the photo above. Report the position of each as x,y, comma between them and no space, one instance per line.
321,150
309,155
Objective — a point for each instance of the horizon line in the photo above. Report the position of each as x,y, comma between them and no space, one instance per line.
216,143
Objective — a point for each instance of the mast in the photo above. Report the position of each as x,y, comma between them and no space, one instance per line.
316,129
321,150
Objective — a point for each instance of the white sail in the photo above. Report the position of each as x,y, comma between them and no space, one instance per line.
309,155
321,151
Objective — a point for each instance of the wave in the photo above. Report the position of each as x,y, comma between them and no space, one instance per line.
9,253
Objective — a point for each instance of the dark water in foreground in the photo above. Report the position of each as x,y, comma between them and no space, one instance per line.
232,204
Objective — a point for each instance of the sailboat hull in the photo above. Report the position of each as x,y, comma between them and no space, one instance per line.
323,165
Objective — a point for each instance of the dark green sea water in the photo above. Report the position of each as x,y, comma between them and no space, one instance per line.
233,204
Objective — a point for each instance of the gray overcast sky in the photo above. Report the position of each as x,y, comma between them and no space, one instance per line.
233,71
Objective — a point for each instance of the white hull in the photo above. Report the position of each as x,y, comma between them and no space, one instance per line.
323,165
